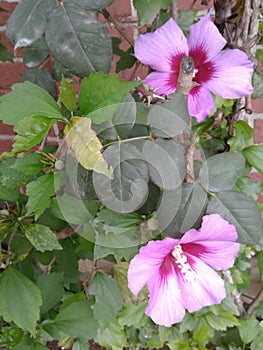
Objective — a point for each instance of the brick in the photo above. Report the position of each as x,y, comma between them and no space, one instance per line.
9,7
120,8
5,145
6,129
184,5
10,74
258,131
257,105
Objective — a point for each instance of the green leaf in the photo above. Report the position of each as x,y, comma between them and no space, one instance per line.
129,188
249,329
178,344
186,19
67,261
52,289
74,210
252,189
81,345
87,147
241,211
28,163
108,298
170,118
148,9
221,321
98,91
40,193
77,320
35,54
257,80
133,315
41,237
112,336
67,95
20,300
5,56
28,21
40,77
220,172
10,336
110,218
254,156
182,209
30,132
27,100
257,343
166,162
87,46
243,136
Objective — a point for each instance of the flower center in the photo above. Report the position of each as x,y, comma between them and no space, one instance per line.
183,264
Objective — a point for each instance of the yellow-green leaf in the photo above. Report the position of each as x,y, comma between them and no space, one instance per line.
87,147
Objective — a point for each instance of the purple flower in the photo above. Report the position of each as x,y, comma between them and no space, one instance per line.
179,272
226,74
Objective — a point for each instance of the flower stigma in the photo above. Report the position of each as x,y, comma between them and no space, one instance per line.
183,264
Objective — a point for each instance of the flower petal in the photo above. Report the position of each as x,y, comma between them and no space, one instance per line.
163,83
157,49
146,265
214,243
165,304
200,103
204,40
207,289
231,76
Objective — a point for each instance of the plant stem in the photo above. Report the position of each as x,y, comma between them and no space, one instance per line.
117,26
127,140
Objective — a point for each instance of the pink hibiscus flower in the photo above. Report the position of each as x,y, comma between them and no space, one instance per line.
179,272
226,74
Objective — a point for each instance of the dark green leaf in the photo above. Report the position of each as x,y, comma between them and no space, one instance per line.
112,336
76,211
27,100
51,287
254,156
67,95
186,19
108,298
110,218
30,132
148,9
112,244
92,5
81,345
258,85
243,136
98,91
77,320
180,210
67,261
40,77
41,237
252,189
5,56
170,118
133,315
222,320
249,329
28,163
20,300
39,193
10,336
86,47
166,162
28,21
35,54
128,189
241,211
220,172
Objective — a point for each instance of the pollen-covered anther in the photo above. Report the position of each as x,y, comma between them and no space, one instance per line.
182,263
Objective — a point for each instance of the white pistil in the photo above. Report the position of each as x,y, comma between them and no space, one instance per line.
182,263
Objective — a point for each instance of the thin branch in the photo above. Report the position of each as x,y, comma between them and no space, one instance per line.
174,10
117,26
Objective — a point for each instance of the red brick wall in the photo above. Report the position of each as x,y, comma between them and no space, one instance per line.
125,15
